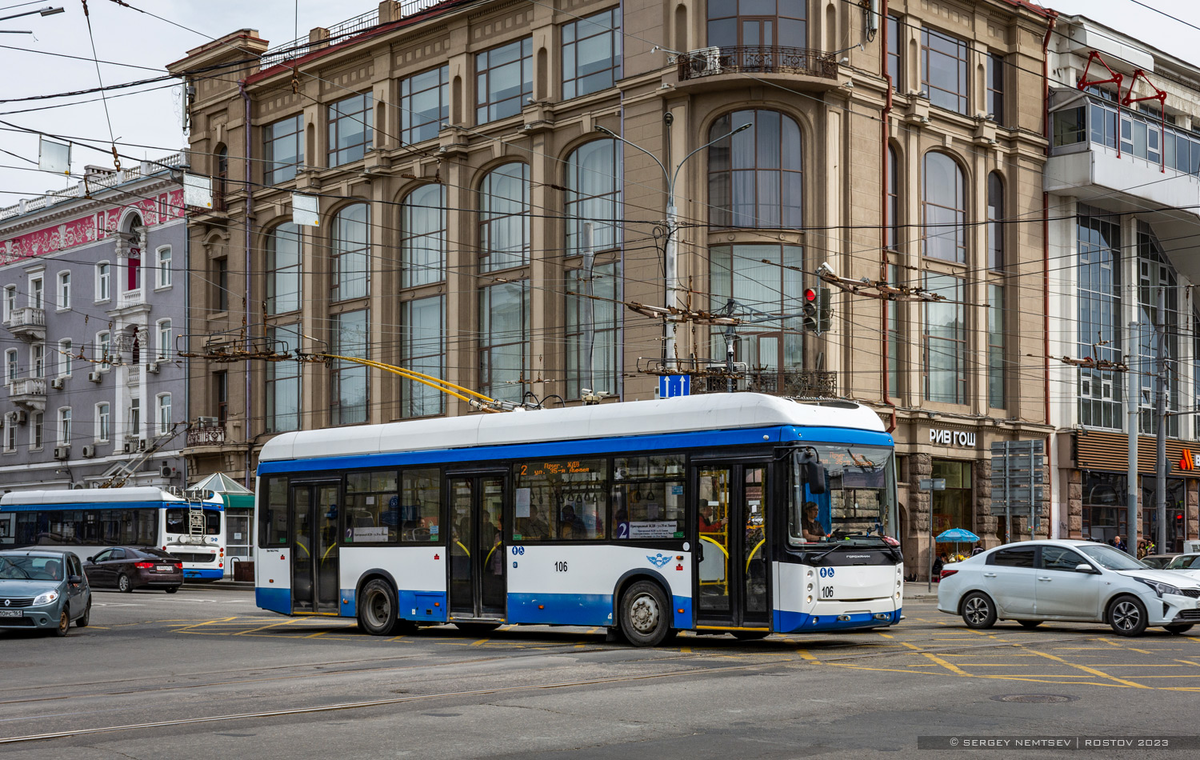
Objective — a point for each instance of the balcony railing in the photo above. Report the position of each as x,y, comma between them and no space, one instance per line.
131,298
758,59
206,436
29,391
805,383
27,322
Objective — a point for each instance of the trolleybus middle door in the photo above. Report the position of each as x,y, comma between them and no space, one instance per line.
315,565
478,586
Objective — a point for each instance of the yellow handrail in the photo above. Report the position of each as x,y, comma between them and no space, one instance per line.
460,545
714,543
752,553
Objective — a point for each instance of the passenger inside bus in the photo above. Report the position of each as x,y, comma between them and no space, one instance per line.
571,526
535,527
707,523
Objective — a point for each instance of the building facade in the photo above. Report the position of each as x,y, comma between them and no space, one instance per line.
1122,180
470,161
94,285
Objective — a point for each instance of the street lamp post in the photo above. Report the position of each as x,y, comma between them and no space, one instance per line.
671,250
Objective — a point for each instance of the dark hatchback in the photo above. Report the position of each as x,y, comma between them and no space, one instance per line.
128,567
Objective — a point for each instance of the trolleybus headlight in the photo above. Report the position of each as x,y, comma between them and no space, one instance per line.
45,598
810,587
810,598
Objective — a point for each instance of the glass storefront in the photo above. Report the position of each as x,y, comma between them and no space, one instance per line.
1105,496
952,508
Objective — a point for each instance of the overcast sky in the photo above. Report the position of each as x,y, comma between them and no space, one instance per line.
152,118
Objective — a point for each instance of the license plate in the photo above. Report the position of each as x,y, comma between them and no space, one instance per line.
11,613
165,568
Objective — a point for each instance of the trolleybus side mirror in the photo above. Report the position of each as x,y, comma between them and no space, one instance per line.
814,473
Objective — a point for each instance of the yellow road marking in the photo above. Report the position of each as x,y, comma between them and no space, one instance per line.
1093,671
806,655
944,663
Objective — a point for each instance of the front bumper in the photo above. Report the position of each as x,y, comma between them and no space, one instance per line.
43,618
1173,609
839,616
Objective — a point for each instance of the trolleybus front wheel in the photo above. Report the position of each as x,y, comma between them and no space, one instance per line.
645,614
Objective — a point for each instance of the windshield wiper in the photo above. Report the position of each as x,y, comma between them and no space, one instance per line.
14,566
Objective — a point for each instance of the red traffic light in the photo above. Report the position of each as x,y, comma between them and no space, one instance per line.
810,294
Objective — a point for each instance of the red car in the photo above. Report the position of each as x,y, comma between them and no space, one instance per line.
126,568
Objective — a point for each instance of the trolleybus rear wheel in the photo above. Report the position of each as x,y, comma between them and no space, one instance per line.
377,608
645,614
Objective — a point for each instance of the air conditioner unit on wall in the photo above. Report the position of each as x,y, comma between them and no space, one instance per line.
127,447
89,451
18,417
95,377
705,61
62,452
152,368
141,445
57,383
206,422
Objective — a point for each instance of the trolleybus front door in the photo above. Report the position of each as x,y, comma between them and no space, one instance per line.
315,547
477,553
732,565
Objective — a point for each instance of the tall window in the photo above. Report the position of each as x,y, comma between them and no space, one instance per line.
422,350
995,227
503,80
891,30
163,268
944,209
164,413
593,195
1099,317
37,292
758,23
423,236
64,290
10,434
351,252
10,365
996,346
221,390
103,349
64,426
893,200
995,87
37,422
945,341
64,358
591,50
1158,304
134,421
10,301
504,217
103,292
164,339
283,269
220,284
103,422
895,338
592,365
283,382
503,335
944,70
755,178
221,183
350,129
424,105
741,274
283,149
37,360
349,387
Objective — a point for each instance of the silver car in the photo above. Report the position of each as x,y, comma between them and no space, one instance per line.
1076,581
43,591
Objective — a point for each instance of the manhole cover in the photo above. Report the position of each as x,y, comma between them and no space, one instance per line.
1036,698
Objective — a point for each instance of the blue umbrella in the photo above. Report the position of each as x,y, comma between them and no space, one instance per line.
955,535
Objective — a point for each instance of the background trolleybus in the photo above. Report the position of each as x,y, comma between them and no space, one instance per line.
87,520
589,516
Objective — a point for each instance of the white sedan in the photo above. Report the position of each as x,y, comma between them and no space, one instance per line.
1077,581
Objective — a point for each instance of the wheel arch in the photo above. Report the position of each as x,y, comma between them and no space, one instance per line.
631,577
370,575
962,599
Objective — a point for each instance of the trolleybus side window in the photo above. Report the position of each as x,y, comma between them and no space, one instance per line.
421,505
564,500
648,497
272,510
372,507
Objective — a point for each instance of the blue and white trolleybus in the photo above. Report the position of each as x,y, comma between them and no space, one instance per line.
738,513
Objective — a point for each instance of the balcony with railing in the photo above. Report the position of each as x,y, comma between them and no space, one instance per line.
1099,149
28,392
756,59
206,436
27,323
131,298
803,383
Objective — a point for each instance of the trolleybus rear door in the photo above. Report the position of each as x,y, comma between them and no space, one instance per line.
732,564
315,547
477,553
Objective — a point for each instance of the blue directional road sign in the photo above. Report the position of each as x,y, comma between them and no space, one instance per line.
674,385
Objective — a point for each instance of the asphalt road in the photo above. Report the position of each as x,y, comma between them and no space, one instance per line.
204,674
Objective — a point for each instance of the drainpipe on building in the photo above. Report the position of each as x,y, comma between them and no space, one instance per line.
246,274
1051,445
883,231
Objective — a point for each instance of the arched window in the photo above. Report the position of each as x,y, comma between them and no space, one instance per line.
283,269
757,23
593,195
944,209
504,218
995,228
423,236
755,177
351,252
